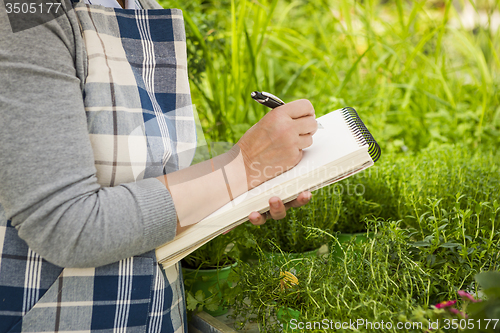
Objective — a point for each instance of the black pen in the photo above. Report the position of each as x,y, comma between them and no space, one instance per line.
270,101
267,99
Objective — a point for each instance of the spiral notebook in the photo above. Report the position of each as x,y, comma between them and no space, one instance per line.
343,147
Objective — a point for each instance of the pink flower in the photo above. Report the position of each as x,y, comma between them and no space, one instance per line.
468,296
445,304
457,312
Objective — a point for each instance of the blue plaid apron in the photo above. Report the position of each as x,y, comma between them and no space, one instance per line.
141,125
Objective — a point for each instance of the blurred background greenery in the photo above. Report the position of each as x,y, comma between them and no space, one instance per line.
416,71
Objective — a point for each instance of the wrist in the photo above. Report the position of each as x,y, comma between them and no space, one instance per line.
253,176
234,172
209,185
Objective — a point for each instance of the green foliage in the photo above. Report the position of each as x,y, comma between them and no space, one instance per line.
387,278
291,234
449,183
213,254
413,74
434,224
204,288
375,281
476,314
200,301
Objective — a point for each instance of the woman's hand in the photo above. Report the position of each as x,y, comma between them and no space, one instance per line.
277,210
274,145
271,147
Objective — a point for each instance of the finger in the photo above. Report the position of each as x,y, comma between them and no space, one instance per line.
277,208
298,109
305,141
256,218
305,125
316,127
301,200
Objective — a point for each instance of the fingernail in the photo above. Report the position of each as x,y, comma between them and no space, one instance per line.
275,204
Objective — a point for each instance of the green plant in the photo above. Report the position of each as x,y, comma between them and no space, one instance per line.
405,187
411,265
204,289
213,254
205,282
414,75
291,235
385,278
341,207
476,314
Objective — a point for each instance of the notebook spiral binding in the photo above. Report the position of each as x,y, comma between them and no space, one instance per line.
361,133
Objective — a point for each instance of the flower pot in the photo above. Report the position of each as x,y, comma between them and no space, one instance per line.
342,239
204,279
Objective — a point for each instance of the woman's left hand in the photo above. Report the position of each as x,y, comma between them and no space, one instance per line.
277,210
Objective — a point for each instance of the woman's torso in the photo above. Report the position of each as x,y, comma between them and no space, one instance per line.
140,124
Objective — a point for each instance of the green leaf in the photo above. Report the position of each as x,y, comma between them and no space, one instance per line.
443,226
233,278
213,289
200,296
191,302
449,245
421,244
212,306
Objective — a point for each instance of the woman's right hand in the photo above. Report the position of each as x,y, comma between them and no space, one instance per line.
271,147
274,145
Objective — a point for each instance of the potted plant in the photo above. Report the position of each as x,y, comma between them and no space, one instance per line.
291,236
206,270
205,273
339,209
368,195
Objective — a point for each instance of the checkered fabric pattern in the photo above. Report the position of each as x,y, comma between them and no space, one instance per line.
141,125
137,97
133,295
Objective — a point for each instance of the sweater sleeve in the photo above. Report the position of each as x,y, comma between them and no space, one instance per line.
48,183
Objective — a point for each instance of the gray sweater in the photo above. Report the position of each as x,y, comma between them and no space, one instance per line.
48,184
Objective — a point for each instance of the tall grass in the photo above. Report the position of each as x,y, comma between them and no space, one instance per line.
413,77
